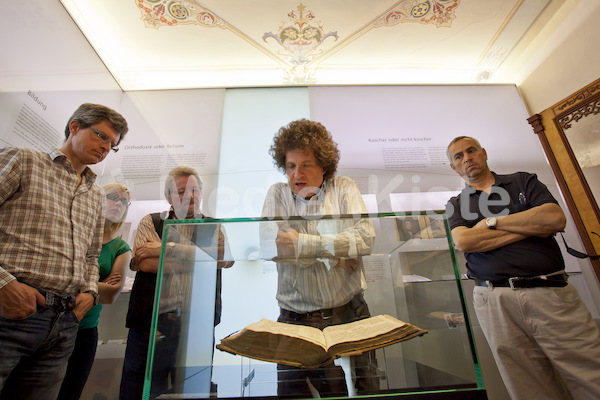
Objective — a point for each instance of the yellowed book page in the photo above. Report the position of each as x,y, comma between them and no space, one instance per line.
308,333
274,347
360,330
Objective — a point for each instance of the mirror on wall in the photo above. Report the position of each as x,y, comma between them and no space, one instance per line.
570,135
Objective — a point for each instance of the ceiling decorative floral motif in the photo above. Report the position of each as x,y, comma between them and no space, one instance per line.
300,36
437,12
156,13
301,44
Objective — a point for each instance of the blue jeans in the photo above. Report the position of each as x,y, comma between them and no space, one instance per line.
34,353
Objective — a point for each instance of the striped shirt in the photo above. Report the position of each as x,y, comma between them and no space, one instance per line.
50,228
313,281
176,285
172,288
147,233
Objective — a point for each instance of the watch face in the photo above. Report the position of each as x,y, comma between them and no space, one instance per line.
491,222
170,247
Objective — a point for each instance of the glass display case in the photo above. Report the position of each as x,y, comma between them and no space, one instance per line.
216,277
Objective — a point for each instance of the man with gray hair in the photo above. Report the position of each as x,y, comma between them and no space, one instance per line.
544,340
50,238
183,191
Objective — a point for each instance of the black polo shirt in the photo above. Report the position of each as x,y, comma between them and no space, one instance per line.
510,194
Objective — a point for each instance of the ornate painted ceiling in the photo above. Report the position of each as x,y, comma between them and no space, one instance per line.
173,44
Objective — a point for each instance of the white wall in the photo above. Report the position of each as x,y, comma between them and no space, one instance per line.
568,61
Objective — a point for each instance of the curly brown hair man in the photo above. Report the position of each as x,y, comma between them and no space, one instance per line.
322,281
303,134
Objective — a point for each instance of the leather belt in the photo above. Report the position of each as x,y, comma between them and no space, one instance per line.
325,313
53,300
557,279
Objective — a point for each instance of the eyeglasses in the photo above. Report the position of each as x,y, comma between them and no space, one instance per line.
105,138
189,192
115,197
579,254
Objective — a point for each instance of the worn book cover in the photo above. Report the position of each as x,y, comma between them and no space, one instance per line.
308,347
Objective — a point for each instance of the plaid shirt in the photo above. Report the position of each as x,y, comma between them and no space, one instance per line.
50,228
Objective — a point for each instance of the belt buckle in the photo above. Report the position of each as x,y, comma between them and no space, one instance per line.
323,314
511,282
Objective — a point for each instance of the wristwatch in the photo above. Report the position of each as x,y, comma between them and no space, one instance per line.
170,247
94,295
491,222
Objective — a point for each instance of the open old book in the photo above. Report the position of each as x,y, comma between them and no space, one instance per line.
308,347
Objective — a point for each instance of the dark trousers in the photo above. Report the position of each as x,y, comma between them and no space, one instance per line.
80,364
163,364
329,380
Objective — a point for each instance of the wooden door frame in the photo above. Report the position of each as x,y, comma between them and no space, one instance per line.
549,126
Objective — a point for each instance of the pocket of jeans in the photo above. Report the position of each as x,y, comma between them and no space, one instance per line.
74,316
20,319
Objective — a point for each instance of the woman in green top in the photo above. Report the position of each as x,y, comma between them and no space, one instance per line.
113,260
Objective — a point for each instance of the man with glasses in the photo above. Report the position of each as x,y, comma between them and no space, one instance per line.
183,191
50,238
544,340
